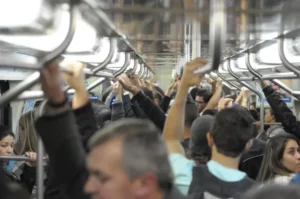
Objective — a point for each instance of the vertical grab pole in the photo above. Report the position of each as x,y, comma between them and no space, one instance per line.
40,169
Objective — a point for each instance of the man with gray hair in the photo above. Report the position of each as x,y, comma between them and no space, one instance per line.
128,159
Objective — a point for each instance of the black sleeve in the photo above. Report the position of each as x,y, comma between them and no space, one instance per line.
129,113
154,113
86,122
165,103
282,113
62,142
28,177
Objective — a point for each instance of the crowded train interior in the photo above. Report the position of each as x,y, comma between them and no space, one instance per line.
149,99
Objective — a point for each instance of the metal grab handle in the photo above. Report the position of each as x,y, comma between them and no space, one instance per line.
136,61
283,58
262,112
34,78
112,49
125,65
224,79
16,158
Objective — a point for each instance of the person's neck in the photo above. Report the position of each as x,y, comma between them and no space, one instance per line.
226,161
186,133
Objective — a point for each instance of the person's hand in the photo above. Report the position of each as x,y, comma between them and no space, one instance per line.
32,159
189,78
245,92
225,103
117,89
76,79
172,87
51,83
264,84
128,84
219,83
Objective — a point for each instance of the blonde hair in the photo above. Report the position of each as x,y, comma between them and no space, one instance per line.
29,141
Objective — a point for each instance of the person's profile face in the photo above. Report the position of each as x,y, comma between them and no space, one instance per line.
107,178
291,156
7,145
200,103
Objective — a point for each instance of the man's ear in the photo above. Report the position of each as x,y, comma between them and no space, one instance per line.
249,145
210,139
145,184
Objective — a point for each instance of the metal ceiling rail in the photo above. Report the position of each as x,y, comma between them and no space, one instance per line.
112,50
262,112
34,78
15,158
40,94
111,29
264,43
224,79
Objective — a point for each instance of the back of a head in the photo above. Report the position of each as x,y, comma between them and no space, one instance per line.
211,112
274,191
205,93
102,112
272,164
29,136
234,126
143,151
198,146
194,92
191,113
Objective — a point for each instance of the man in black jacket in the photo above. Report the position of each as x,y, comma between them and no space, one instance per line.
113,158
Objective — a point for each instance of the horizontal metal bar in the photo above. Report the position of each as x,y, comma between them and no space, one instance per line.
270,124
37,94
264,77
15,158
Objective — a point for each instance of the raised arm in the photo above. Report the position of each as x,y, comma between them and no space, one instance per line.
174,126
214,100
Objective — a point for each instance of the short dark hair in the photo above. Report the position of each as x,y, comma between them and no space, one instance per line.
5,131
211,112
143,149
231,131
206,94
191,113
194,92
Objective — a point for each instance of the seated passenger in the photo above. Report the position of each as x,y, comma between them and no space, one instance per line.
114,171
25,174
281,160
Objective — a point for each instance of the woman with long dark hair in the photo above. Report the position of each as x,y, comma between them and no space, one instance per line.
281,160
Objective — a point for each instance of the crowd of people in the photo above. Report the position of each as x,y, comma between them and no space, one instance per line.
143,143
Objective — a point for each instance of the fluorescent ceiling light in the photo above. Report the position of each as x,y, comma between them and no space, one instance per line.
84,40
97,57
270,54
16,13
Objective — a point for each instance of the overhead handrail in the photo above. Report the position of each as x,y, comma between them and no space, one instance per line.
262,112
16,158
34,78
116,74
259,76
134,66
283,58
141,70
224,79
112,49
